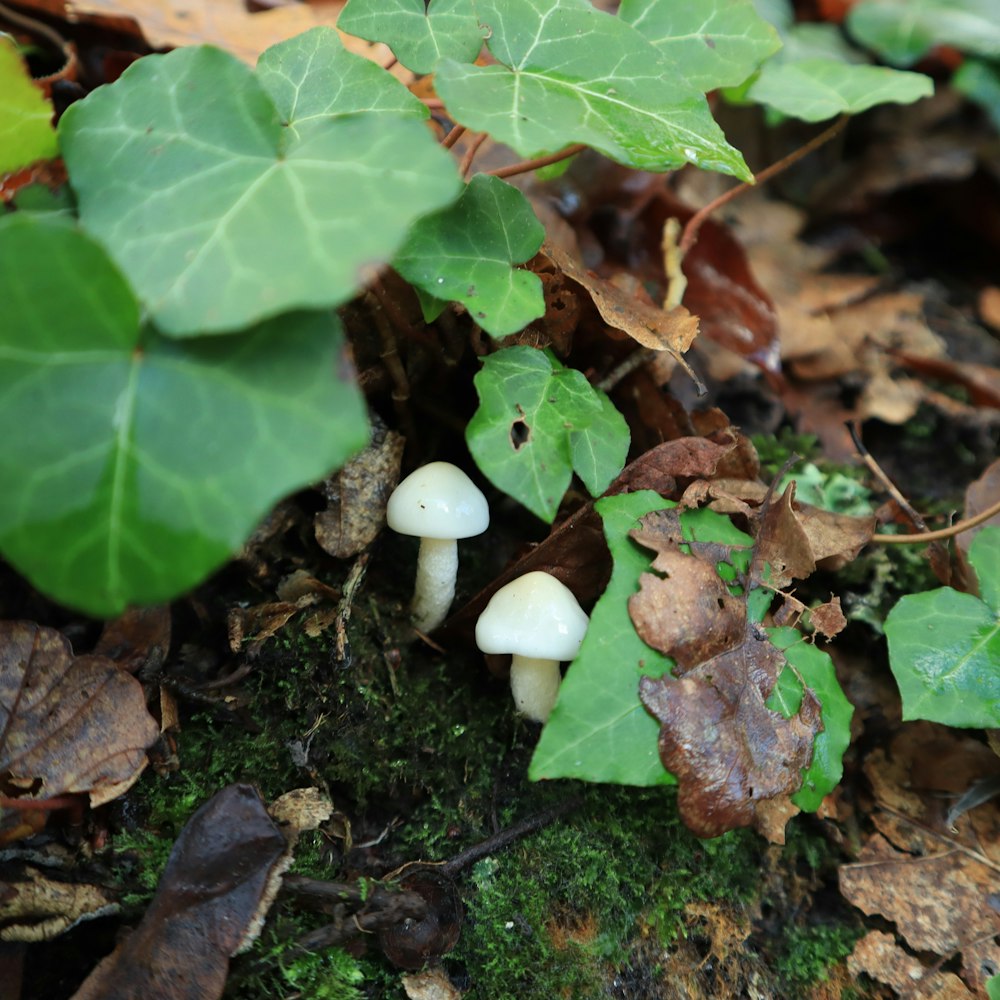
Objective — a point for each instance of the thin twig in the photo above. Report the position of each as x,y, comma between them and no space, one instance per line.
525,166
470,154
879,474
690,234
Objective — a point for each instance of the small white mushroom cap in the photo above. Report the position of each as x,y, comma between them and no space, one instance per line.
438,500
534,615
438,503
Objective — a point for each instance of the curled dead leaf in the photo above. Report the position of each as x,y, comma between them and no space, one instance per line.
672,331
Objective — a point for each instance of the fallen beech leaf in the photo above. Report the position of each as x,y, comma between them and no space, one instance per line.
35,907
688,614
208,901
737,762
649,326
989,306
833,538
878,956
782,546
67,724
930,873
226,23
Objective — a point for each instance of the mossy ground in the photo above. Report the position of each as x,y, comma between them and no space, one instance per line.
423,756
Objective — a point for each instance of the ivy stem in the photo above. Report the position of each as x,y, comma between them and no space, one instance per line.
432,103
923,535
453,136
470,154
690,235
525,166
942,533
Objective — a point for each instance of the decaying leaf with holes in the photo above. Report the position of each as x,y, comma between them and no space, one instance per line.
737,761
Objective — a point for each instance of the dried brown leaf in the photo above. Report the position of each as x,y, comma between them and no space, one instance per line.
828,619
210,897
736,761
226,23
67,724
137,640
649,326
35,907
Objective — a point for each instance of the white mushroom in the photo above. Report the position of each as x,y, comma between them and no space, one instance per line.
537,619
438,503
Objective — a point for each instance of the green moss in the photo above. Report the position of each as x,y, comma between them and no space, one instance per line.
269,971
558,913
809,952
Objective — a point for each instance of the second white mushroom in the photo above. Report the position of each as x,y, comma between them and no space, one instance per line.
538,620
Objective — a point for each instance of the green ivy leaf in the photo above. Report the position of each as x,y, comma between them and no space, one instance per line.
26,131
570,73
599,730
598,451
218,212
313,79
718,43
816,669
419,34
944,646
465,253
141,464
521,437
901,31
816,89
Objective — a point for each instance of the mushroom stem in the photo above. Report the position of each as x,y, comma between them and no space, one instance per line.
434,590
534,681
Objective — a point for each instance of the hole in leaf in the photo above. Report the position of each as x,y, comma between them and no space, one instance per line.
520,434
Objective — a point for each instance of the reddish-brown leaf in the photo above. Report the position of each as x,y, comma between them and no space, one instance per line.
736,761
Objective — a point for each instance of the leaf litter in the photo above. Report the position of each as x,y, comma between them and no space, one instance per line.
845,345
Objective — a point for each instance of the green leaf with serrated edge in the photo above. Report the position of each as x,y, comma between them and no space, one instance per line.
218,214
816,89
980,82
313,79
944,647
26,130
901,31
466,252
139,464
599,450
419,34
599,730
571,74
715,43
816,669
521,435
